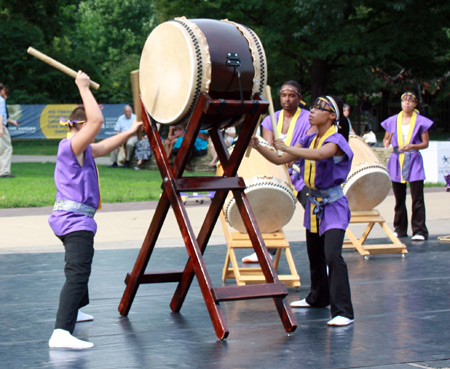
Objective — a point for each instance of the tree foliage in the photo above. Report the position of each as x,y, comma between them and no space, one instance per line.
345,47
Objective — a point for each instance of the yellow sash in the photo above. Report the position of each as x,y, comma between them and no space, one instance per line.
310,175
292,123
412,124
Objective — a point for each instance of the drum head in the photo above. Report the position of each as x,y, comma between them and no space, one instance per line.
367,187
168,73
273,206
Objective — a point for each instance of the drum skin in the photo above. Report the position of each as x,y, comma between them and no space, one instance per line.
368,182
182,58
269,192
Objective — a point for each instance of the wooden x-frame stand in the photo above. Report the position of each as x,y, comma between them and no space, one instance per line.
372,217
247,275
206,109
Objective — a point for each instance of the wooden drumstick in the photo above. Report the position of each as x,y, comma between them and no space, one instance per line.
134,77
57,65
272,116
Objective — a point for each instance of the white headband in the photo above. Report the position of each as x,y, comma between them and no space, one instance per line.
335,107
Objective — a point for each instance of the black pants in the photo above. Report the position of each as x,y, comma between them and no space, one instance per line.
418,209
332,289
74,295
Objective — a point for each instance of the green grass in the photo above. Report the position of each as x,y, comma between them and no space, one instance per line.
34,186
35,147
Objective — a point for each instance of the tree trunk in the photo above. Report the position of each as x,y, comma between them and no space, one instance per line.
320,71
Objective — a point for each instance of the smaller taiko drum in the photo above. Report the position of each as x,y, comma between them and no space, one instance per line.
368,182
269,192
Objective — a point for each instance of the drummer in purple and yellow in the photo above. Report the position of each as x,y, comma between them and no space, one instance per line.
292,125
407,132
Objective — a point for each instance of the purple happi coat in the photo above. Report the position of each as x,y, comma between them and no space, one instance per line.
76,183
416,171
325,174
301,127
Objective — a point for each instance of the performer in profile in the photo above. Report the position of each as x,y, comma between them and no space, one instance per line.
407,132
325,160
77,200
292,125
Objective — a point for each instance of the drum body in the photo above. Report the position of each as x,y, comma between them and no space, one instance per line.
368,182
269,192
181,58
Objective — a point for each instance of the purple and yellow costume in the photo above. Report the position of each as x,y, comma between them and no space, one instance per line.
295,133
407,167
326,218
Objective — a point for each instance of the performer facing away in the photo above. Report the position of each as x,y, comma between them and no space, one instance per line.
292,125
325,160
407,132
77,199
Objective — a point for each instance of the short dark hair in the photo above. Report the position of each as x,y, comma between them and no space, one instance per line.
78,113
2,86
295,84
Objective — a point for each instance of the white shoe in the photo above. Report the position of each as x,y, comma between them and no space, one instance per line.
395,234
300,304
418,237
340,321
253,258
62,339
83,317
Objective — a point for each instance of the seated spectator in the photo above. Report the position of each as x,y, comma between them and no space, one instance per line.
123,124
229,136
200,145
174,133
142,151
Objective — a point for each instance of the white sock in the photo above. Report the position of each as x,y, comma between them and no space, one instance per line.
63,339
83,317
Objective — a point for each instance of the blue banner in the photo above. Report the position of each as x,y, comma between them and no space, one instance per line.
42,121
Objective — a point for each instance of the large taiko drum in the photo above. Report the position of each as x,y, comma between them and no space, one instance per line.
269,192
183,57
368,182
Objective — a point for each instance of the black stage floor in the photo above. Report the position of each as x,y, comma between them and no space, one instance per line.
402,308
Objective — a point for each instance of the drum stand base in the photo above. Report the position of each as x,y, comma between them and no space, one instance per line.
243,275
173,184
372,217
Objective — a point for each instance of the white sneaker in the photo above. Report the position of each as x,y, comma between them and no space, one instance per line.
253,258
300,304
395,234
83,317
418,237
340,321
62,339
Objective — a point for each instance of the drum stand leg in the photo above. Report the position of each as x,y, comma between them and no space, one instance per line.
173,184
372,217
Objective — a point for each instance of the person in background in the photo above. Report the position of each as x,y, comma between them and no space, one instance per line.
229,136
347,115
325,159
143,150
174,133
5,137
123,124
292,123
77,200
407,132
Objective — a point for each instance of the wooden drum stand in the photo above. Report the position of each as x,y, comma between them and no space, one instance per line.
173,184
